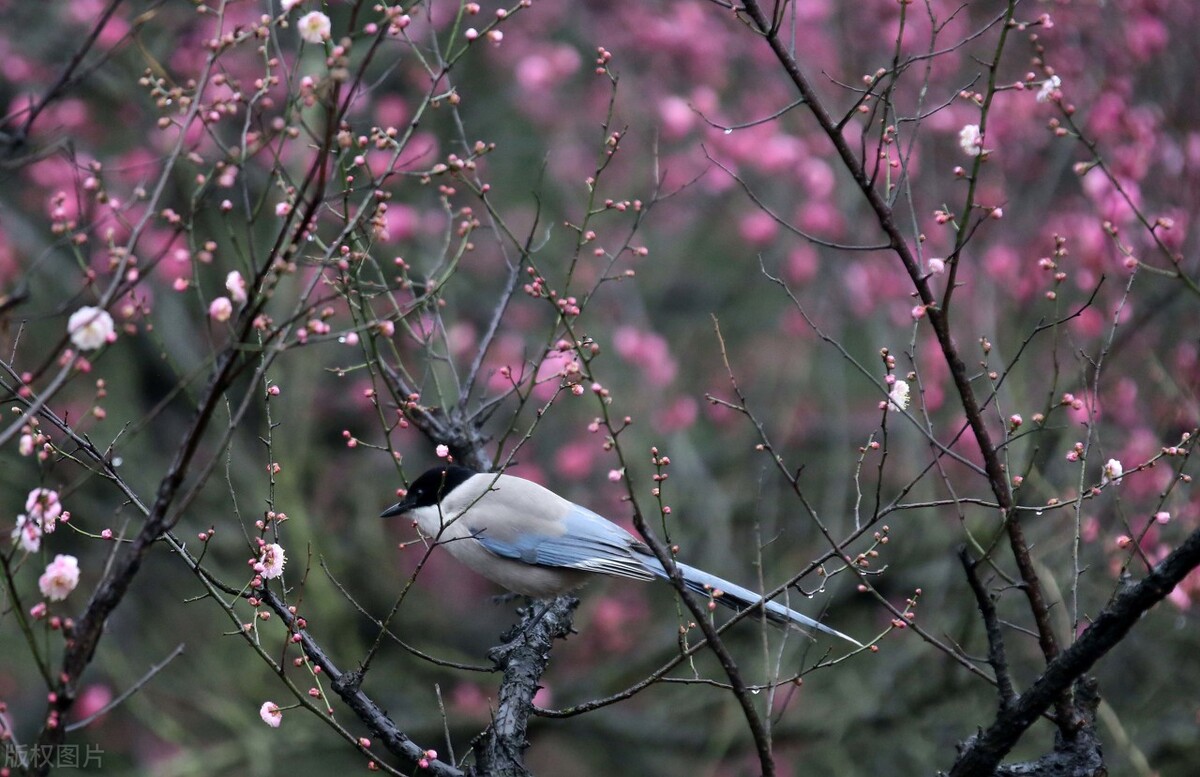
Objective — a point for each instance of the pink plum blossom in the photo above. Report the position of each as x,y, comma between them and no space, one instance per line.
220,309
235,284
43,504
270,564
93,700
647,350
60,578
270,714
28,533
576,459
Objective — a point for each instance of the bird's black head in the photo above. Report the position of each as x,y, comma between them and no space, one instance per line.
430,488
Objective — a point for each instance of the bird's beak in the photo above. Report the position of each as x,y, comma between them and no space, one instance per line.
400,508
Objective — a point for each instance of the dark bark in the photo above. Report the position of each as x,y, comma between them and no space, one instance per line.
980,756
523,658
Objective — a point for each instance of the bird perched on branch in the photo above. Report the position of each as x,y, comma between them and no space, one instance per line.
533,542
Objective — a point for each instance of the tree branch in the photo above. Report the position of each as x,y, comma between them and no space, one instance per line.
523,659
981,755
940,323
991,623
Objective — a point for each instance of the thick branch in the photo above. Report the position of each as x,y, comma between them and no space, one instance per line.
981,757
84,638
346,686
523,660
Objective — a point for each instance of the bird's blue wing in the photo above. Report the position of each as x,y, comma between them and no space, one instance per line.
585,541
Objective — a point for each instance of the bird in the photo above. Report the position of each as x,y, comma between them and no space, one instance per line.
535,543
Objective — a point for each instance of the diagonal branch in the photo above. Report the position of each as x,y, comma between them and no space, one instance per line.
130,691
111,590
64,78
982,754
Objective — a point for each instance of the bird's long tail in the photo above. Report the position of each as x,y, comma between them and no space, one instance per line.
737,598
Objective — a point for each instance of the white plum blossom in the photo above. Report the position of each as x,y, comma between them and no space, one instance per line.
288,5
314,26
1049,87
1112,472
271,564
899,394
91,328
270,712
60,578
970,140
